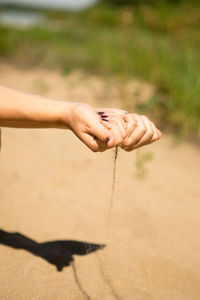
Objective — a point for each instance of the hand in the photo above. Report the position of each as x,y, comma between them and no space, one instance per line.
117,126
83,120
143,133
140,130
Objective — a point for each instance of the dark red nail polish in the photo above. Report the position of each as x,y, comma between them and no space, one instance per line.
105,120
101,113
104,116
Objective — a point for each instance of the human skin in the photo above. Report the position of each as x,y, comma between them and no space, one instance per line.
23,110
140,130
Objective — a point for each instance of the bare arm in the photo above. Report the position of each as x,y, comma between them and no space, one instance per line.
23,110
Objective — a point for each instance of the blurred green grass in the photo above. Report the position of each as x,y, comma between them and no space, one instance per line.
159,43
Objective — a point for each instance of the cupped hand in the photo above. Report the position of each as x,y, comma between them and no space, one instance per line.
140,130
116,124
144,133
87,125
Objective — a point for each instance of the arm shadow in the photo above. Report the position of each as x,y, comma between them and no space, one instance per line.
58,253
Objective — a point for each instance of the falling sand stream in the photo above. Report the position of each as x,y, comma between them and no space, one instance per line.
104,265
108,238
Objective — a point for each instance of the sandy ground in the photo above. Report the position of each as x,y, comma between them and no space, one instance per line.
52,188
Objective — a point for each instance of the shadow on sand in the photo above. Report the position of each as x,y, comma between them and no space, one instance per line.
58,253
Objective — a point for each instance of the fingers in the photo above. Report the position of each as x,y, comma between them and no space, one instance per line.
98,139
133,132
89,141
144,133
104,119
138,132
108,128
108,133
149,133
122,123
85,123
152,134
93,143
118,127
101,136
116,124
157,133
131,122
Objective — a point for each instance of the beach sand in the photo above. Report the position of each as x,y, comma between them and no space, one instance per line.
53,188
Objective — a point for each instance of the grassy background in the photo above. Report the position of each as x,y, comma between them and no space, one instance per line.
159,43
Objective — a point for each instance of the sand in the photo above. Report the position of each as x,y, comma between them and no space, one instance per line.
53,188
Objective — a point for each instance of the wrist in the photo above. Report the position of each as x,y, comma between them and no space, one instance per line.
65,114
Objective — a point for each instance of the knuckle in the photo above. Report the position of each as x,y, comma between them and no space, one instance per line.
133,122
155,137
150,134
143,129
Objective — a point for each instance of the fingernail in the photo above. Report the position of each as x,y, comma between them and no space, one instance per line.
101,113
107,139
104,116
105,120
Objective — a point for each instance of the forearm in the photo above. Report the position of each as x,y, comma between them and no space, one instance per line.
23,110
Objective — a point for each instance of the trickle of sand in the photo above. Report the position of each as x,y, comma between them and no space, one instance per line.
106,266
111,201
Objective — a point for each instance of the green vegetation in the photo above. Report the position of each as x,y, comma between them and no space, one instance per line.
159,43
